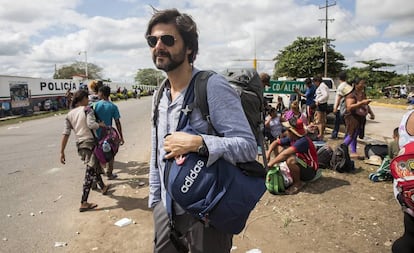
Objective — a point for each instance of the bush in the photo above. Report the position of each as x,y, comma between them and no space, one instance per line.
373,92
113,97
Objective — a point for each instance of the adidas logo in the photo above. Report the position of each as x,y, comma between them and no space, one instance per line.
192,176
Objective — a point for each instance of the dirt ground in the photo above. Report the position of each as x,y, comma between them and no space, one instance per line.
336,213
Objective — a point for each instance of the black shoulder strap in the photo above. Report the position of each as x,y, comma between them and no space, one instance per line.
158,96
200,90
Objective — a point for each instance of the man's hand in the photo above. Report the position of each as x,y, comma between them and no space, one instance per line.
180,143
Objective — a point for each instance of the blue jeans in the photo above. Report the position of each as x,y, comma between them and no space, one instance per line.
338,121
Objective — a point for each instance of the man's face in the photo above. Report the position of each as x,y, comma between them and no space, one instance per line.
165,57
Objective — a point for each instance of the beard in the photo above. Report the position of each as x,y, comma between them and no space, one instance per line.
168,62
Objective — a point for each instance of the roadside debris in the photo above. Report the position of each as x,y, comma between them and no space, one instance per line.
60,196
123,222
60,244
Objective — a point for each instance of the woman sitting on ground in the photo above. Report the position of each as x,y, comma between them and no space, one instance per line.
273,126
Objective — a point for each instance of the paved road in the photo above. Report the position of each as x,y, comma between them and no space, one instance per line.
37,193
386,119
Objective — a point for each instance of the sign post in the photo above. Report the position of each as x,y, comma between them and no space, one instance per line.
285,87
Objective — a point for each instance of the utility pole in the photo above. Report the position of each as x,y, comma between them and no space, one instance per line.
255,60
326,44
86,63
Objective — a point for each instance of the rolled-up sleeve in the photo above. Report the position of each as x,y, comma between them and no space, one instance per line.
236,142
67,127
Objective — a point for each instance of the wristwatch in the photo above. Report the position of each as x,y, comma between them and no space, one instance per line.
203,150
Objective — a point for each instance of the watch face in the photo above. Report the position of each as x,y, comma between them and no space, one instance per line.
203,151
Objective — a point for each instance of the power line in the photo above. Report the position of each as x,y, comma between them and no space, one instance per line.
326,45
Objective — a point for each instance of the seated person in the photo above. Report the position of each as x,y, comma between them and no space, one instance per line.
298,151
273,126
296,113
280,106
393,147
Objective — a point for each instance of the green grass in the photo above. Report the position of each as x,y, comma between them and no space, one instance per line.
394,101
31,117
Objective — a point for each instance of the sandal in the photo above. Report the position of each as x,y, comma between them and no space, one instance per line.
105,189
89,206
294,189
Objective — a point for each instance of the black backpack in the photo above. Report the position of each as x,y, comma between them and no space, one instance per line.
341,161
376,149
325,154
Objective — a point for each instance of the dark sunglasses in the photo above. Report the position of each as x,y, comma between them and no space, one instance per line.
167,40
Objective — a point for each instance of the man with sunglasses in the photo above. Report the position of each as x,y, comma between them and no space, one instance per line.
298,151
173,41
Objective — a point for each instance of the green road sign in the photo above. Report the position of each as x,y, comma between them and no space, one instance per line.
285,87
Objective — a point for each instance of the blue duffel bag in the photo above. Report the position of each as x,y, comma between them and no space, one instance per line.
221,195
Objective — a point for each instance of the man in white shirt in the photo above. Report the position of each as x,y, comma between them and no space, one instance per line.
321,101
340,96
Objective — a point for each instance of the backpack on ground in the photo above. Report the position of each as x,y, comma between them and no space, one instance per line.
108,145
278,179
341,161
383,173
221,195
274,181
325,154
376,149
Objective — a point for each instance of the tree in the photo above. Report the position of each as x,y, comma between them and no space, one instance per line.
372,73
305,58
149,77
78,68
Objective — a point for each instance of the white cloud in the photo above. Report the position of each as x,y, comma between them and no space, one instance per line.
394,52
396,15
38,34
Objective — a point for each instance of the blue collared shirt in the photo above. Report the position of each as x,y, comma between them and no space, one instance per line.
236,143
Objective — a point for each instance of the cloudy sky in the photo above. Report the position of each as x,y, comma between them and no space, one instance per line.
36,35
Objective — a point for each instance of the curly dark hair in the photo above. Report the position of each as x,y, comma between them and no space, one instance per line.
185,26
79,96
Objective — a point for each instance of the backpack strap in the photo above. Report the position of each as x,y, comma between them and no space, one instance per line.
157,100
87,110
200,90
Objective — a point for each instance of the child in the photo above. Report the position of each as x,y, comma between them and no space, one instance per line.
273,126
393,147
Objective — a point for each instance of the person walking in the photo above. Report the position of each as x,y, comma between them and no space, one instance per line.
340,97
357,108
82,121
321,102
173,41
108,112
68,96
